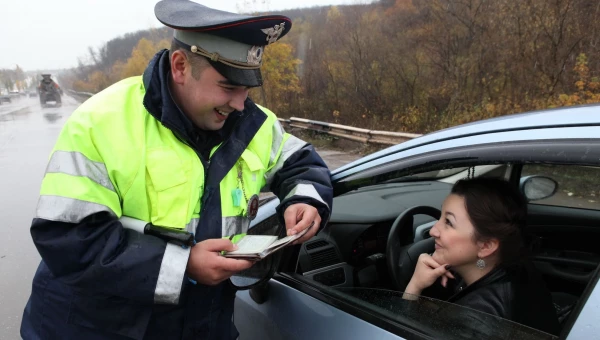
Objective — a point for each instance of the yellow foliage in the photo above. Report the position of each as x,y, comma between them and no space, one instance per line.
587,90
279,76
140,56
96,82
135,65
409,119
117,70
163,44
333,13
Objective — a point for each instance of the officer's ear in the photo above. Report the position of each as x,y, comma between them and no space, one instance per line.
179,66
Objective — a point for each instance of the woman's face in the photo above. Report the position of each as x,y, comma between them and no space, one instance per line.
453,234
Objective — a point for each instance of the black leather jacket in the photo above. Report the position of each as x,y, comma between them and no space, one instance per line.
515,292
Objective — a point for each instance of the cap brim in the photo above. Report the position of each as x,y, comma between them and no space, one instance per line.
239,77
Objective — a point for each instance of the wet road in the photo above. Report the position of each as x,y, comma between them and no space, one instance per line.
27,135
335,159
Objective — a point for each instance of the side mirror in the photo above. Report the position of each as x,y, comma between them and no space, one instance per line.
537,187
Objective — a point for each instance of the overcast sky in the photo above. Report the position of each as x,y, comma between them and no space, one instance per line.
53,34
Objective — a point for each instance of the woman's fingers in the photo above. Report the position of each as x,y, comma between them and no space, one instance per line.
429,270
427,259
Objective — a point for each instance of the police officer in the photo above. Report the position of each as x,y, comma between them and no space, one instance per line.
181,147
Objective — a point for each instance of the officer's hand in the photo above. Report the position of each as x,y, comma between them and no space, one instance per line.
300,216
206,266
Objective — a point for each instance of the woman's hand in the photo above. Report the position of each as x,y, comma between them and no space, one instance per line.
426,273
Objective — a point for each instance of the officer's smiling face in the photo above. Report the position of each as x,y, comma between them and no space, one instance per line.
208,100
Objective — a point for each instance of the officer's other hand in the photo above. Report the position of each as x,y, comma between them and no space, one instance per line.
207,266
300,216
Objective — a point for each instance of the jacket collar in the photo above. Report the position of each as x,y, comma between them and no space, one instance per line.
159,102
501,273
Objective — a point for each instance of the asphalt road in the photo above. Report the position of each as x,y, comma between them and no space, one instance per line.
27,135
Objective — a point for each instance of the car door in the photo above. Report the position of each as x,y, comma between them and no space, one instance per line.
566,226
288,313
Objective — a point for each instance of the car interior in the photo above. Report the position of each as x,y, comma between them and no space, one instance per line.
354,249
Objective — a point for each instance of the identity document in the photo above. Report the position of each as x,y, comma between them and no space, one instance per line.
257,247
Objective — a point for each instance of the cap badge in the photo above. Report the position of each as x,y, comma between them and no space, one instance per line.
274,32
255,55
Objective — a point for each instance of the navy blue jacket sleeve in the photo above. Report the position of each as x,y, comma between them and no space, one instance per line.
98,255
304,178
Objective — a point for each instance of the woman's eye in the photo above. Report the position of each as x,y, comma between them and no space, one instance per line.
448,222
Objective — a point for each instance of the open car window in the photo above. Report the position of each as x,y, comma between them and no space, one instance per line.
348,256
439,319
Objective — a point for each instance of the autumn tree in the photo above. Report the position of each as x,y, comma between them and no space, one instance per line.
588,87
140,56
280,81
135,65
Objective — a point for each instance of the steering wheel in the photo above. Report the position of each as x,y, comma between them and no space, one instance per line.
401,250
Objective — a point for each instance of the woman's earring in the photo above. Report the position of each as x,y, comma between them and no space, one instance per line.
480,264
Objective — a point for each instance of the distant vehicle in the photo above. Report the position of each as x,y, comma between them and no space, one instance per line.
49,91
5,98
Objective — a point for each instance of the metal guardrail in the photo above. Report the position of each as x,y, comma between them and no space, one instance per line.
349,132
80,94
342,131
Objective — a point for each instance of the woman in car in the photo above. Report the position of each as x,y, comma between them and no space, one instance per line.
479,246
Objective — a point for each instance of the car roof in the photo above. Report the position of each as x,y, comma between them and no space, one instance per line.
583,115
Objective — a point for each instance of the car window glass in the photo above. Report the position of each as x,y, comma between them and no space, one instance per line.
577,185
439,319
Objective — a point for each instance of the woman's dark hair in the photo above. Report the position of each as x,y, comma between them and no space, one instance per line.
497,210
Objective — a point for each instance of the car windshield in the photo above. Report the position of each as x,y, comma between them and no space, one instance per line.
440,319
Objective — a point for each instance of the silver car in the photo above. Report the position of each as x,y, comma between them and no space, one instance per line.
337,285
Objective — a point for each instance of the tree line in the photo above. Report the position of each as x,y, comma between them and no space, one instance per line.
13,79
406,65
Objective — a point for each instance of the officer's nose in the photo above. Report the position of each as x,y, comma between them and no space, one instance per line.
238,98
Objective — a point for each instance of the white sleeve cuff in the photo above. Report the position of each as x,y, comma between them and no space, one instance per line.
306,190
170,277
